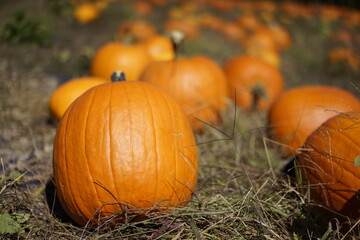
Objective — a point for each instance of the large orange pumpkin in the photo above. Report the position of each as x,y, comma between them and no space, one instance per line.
66,93
197,83
301,110
254,83
124,148
329,167
132,59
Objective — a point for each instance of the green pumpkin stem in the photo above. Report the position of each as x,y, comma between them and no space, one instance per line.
118,76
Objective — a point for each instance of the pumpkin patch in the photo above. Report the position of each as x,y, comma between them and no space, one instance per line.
238,119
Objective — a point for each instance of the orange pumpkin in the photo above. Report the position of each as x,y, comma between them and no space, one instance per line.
65,94
232,31
159,48
328,13
351,18
342,36
329,168
137,29
143,8
158,2
301,110
123,148
265,6
86,12
261,39
249,22
197,83
132,59
297,9
270,56
281,36
211,21
254,83
188,26
340,58
221,5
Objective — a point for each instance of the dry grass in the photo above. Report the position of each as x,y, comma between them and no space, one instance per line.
242,191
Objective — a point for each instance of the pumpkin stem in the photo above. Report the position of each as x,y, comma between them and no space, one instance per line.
257,93
177,38
118,76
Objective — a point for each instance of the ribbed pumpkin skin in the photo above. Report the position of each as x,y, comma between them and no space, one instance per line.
121,145
327,168
301,110
65,94
245,73
132,59
197,83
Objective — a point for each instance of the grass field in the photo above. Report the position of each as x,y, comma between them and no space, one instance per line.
242,191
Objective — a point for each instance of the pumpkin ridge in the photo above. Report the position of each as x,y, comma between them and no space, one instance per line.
181,153
349,128
85,147
110,148
338,192
131,137
173,143
351,141
340,158
320,188
178,154
320,166
80,210
325,191
154,142
74,203
128,199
